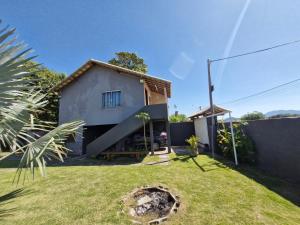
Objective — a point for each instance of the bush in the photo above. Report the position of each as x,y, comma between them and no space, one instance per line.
244,145
193,142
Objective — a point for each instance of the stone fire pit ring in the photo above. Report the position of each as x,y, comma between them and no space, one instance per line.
151,204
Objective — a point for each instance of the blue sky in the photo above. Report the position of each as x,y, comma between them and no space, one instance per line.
175,38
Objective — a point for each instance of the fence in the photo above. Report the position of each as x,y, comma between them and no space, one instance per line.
180,132
277,142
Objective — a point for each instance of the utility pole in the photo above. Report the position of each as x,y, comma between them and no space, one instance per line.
210,90
211,87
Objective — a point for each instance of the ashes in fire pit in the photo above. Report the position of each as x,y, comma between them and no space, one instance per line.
153,204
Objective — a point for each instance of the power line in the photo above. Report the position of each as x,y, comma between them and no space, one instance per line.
261,92
211,87
257,51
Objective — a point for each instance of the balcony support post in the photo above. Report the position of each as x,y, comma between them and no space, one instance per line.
168,136
151,136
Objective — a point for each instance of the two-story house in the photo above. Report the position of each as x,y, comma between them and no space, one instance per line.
107,98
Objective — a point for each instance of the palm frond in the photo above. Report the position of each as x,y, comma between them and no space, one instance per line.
47,147
36,140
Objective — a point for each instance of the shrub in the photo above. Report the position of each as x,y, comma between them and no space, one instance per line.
193,142
244,145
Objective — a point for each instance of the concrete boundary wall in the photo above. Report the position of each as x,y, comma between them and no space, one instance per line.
180,132
277,143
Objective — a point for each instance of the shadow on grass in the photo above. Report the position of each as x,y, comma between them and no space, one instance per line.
285,189
11,161
213,165
210,166
79,161
82,161
7,163
8,198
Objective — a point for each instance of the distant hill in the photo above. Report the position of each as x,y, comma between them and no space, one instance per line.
234,119
282,112
270,114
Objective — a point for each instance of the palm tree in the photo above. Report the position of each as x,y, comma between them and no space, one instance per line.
20,131
145,117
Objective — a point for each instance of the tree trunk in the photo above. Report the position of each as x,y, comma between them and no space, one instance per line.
145,139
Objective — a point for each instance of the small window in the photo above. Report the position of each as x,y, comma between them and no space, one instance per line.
111,99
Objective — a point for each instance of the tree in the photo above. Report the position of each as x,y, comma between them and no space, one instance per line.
145,117
253,116
244,145
130,61
176,118
20,100
46,80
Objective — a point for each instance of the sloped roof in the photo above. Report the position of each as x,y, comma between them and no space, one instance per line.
207,111
154,83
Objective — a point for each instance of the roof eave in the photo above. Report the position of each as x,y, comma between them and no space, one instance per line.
92,62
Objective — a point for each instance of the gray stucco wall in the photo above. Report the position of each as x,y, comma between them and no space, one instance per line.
278,146
82,99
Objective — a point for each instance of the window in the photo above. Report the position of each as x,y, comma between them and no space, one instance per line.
111,99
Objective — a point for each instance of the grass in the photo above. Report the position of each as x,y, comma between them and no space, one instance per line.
211,193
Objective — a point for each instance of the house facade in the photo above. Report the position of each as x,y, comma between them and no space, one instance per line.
107,98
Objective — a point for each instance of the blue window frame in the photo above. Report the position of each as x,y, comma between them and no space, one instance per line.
111,99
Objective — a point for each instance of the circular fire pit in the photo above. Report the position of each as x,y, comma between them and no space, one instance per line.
151,205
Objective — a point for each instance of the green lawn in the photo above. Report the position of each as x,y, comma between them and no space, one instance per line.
211,193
